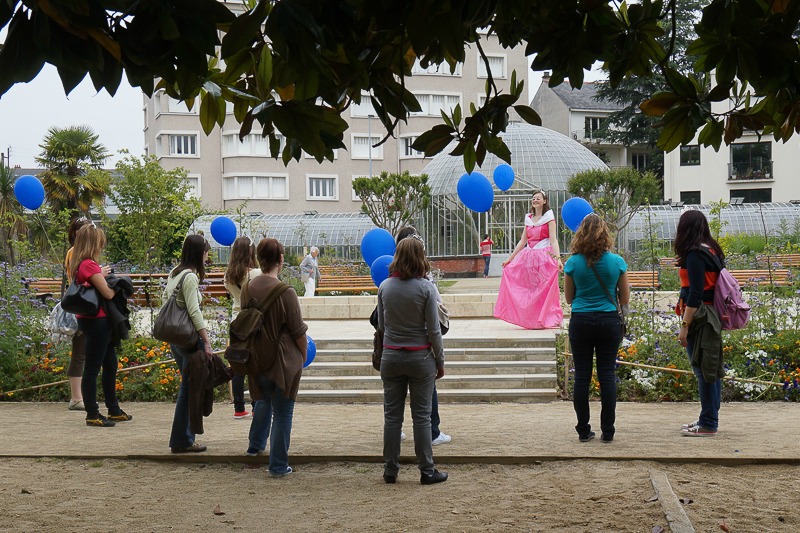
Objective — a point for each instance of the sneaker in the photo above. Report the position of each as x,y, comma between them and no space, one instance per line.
281,474
252,452
441,439
402,435
698,431
76,405
122,416
437,477
100,421
194,448
586,438
690,425
390,479
607,438
238,415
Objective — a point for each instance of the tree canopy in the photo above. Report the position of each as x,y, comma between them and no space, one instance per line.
293,66
392,201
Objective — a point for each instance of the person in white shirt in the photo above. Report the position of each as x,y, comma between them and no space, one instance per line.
309,271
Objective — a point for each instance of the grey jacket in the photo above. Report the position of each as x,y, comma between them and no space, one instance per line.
308,267
408,315
706,333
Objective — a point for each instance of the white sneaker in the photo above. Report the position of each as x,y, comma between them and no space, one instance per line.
441,439
76,405
402,435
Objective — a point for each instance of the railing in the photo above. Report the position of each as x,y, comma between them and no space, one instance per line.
755,170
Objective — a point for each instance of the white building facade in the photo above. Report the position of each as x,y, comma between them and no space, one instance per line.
225,173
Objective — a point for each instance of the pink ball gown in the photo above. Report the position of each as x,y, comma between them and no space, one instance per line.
529,296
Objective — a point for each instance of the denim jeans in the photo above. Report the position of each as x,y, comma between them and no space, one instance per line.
435,420
182,435
710,395
486,260
274,410
99,354
399,378
595,334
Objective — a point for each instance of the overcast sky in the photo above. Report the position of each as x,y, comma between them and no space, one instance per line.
28,110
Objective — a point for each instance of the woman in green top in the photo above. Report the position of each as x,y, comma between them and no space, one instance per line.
190,271
593,276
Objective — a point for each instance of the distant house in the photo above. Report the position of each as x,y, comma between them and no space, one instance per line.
578,114
751,169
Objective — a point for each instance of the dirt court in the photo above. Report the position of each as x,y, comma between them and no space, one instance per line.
55,495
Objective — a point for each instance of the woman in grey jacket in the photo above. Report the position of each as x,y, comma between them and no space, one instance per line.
413,357
309,271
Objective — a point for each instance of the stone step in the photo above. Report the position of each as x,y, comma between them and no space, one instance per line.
445,395
451,354
364,368
360,307
450,343
462,381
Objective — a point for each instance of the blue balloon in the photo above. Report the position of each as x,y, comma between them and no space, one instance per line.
504,177
311,352
223,230
380,269
574,211
376,242
476,192
29,192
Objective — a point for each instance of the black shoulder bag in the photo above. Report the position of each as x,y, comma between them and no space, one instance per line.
622,324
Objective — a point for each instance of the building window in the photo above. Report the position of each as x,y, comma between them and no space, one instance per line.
183,144
433,104
690,155
690,197
590,126
363,109
253,144
751,161
322,188
194,185
752,196
177,106
639,162
436,70
361,147
406,150
256,187
497,64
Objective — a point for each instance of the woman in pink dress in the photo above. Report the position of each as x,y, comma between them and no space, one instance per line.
529,295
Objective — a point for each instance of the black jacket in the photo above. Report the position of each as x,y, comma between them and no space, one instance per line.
117,307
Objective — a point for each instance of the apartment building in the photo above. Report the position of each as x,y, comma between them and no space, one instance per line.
226,173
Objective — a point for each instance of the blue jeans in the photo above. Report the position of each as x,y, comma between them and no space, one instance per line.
595,334
181,435
275,410
100,353
435,420
710,395
398,378
486,260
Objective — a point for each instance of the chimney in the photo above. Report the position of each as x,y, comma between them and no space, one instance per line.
546,76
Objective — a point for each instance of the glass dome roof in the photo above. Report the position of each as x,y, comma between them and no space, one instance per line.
541,158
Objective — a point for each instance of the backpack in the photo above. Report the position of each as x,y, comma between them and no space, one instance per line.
733,312
251,350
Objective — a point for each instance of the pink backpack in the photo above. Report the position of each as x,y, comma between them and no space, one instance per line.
733,312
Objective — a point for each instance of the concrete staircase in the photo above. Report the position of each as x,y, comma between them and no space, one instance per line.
487,359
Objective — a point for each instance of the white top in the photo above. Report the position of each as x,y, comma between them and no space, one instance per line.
236,292
544,219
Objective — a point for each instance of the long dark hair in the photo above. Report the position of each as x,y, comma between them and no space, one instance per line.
192,256
692,232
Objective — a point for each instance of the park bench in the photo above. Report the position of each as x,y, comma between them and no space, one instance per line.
348,269
666,262
44,288
784,260
761,277
643,279
349,284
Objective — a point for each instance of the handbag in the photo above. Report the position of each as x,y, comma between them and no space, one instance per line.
81,299
173,324
623,325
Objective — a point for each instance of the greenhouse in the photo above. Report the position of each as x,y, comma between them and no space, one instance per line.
659,222
335,234
541,159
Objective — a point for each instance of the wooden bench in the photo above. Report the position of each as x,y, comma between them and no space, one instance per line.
784,260
643,279
44,288
761,277
349,284
667,262
347,269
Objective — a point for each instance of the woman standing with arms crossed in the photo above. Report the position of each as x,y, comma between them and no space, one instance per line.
188,273
242,266
413,356
700,259
276,388
99,349
77,358
593,276
529,296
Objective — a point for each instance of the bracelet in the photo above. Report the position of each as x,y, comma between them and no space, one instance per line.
685,324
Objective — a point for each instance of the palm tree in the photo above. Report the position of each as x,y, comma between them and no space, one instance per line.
73,178
12,220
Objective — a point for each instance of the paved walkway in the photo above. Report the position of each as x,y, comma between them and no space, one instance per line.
482,433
